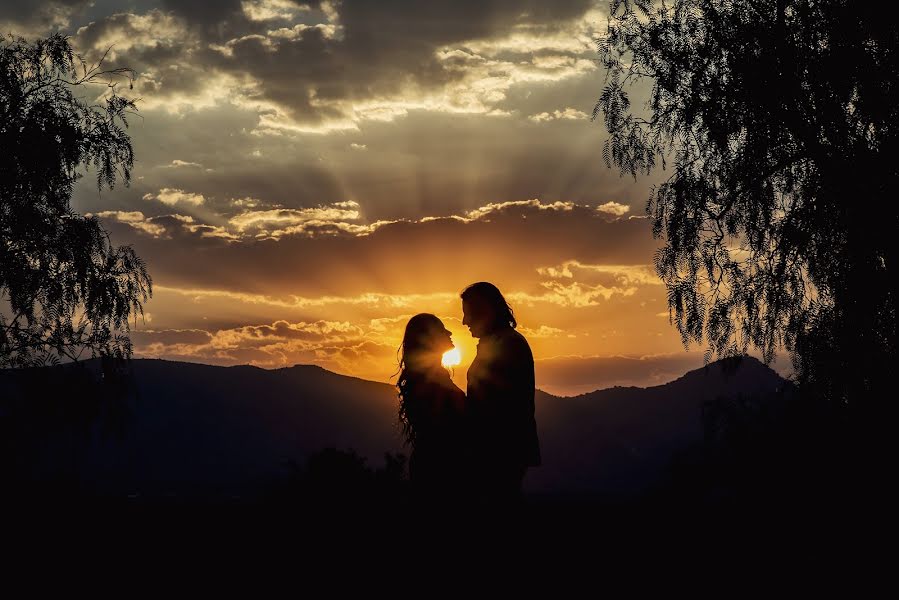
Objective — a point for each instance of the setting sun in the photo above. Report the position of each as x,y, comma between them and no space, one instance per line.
451,358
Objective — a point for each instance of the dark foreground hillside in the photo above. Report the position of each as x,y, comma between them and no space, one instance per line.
162,431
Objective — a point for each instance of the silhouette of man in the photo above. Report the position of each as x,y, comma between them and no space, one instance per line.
500,407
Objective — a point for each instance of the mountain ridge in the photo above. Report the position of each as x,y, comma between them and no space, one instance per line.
754,362
196,430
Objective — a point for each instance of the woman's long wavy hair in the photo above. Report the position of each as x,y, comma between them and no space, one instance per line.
416,355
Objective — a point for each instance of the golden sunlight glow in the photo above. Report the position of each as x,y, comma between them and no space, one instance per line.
451,358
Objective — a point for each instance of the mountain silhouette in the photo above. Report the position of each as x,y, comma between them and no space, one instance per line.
619,441
196,431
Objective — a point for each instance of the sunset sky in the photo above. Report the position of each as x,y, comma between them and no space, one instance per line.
309,175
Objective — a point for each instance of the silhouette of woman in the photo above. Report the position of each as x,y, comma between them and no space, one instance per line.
431,410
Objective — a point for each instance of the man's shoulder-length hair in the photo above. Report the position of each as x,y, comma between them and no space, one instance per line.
487,294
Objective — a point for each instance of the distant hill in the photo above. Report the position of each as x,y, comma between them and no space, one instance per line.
191,430
619,441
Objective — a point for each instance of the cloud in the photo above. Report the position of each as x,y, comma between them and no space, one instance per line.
170,337
172,196
321,67
614,208
574,37
120,33
166,52
460,133
36,19
175,164
338,345
484,212
622,274
164,226
337,218
278,222
335,249
381,300
246,202
572,294
544,331
578,285
441,183
281,330
271,10
566,114
386,323
134,219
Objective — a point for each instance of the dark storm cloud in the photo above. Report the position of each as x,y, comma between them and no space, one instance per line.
309,66
204,13
26,11
432,161
383,46
38,18
405,33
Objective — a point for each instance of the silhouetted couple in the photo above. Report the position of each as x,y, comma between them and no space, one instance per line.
479,447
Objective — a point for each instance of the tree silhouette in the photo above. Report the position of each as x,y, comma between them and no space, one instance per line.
778,120
64,288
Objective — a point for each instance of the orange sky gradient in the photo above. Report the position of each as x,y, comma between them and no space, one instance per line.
309,175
